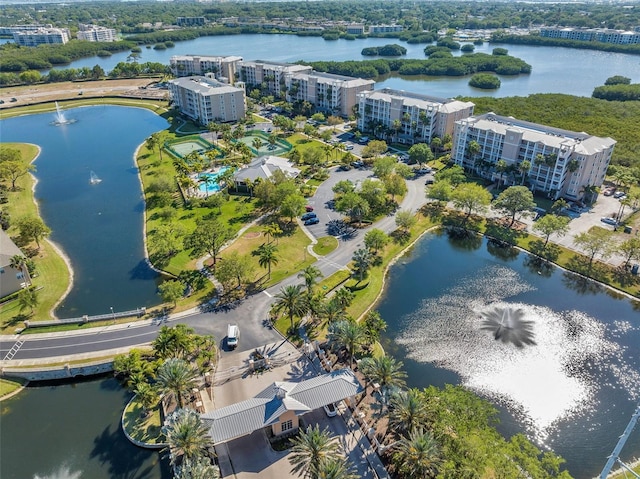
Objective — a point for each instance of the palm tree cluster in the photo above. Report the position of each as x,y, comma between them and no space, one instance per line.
171,370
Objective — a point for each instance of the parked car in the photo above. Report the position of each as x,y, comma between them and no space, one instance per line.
609,221
330,409
308,215
344,168
618,194
348,147
312,221
308,208
608,192
357,164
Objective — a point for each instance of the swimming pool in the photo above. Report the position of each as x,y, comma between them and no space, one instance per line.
212,185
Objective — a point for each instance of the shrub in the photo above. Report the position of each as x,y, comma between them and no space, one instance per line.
484,81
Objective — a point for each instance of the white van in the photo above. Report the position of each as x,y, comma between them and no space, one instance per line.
233,334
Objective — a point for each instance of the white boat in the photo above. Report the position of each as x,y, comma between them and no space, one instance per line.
93,178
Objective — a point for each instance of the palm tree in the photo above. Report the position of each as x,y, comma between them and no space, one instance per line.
257,144
187,437
333,311
267,256
291,301
176,342
310,275
523,168
336,469
361,262
418,455
271,231
407,411
28,299
200,468
206,180
311,449
385,371
176,377
146,394
17,262
343,297
348,334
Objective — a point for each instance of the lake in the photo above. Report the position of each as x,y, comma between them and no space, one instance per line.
72,431
574,390
98,226
555,70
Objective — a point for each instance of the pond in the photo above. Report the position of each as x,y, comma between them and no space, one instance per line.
572,384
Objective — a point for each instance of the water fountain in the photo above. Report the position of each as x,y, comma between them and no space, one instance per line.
508,325
60,118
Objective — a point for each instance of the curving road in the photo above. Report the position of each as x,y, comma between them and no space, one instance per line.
250,314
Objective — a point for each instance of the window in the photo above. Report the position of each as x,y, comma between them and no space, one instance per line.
287,425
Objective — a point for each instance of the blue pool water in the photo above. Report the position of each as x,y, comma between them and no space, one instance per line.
211,187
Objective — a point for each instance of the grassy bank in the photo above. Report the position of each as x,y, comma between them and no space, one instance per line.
52,274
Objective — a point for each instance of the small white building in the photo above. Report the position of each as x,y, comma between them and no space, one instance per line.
96,33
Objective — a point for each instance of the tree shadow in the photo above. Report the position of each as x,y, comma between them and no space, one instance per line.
400,236
623,276
357,287
434,211
502,250
463,239
539,265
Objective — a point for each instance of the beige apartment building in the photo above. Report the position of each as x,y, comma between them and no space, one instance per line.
271,75
223,68
409,118
207,100
333,94
562,163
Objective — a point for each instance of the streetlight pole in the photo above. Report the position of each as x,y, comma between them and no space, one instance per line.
113,315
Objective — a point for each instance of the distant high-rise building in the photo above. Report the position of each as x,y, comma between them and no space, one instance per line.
41,36
95,33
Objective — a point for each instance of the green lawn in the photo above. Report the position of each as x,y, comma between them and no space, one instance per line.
143,427
52,275
7,386
325,245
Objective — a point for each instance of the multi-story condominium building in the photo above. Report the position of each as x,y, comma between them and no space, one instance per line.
355,28
41,36
223,68
95,33
190,21
333,94
385,28
561,163
22,28
207,100
604,35
409,117
270,75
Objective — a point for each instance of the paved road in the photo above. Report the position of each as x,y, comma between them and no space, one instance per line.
250,314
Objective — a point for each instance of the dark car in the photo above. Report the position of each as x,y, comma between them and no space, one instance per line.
312,221
308,208
308,216
344,167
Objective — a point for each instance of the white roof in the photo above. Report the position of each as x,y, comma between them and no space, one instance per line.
267,406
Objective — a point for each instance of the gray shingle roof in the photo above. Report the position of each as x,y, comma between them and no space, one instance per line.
267,406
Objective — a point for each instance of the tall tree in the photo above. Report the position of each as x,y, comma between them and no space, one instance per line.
418,456
12,170
471,198
268,256
361,262
593,243
176,376
551,224
33,228
310,274
311,450
234,267
514,200
375,239
630,249
347,334
291,301
171,291
385,371
174,342
209,237
407,411
336,468
373,325
28,299
405,220
187,437
420,153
